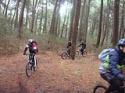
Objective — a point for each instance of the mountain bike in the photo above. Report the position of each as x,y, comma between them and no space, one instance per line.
103,89
65,54
31,65
78,52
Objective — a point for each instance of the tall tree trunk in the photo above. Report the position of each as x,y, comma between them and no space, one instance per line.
53,21
16,15
122,21
81,21
58,26
116,22
75,28
86,21
27,12
20,27
71,20
57,16
104,34
12,21
92,30
63,26
51,31
45,23
33,14
67,25
36,23
100,25
7,8
106,23
41,20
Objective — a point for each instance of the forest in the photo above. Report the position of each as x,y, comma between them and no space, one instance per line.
99,24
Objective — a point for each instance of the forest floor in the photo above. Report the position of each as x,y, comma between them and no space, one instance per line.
54,75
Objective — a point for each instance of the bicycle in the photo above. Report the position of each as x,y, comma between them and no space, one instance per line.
78,52
31,66
103,89
65,54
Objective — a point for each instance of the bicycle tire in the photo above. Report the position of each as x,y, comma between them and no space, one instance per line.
77,53
85,53
64,55
28,68
103,89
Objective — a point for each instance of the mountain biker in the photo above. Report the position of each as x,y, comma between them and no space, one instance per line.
69,47
82,46
32,47
114,74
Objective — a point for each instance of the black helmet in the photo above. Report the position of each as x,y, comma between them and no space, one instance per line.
121,42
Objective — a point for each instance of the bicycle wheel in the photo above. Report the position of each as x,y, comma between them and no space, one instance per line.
85,53
100,89
28,69
77,53
64,55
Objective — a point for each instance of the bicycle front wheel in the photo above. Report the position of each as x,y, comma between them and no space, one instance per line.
28,69
100,89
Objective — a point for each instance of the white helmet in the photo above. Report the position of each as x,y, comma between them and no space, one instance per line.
30,40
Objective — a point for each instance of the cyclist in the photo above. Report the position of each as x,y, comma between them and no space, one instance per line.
82,46
69,47
32,47
114,74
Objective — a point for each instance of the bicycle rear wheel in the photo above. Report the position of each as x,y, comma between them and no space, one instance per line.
85,52
100,89
29,68
64,55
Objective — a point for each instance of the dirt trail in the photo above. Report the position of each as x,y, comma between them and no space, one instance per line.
54,75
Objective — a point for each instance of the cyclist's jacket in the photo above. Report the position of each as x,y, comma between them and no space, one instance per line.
32,47
82,45
115,63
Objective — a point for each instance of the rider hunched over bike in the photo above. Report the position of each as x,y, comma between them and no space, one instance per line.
111,69
69,47
31,46
82,46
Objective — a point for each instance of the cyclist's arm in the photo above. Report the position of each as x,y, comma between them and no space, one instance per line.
114,60
25,49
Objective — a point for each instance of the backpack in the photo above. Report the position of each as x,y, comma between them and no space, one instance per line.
104,57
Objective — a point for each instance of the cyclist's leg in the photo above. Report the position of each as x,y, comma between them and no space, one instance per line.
33,60
35,63
68,51
82,51
107,77
30,58
115,85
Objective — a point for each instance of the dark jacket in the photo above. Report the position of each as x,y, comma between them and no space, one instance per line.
116,58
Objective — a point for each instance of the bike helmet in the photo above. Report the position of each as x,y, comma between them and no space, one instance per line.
30,40
121,42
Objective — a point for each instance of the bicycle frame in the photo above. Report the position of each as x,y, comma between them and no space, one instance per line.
31,64
31,57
